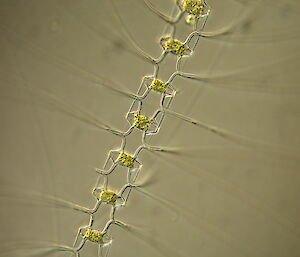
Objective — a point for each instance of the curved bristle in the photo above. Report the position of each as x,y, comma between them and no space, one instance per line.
27,196
68,66
72,110
196,199
164,202
131,39
147,237
33,249
153,9
238,139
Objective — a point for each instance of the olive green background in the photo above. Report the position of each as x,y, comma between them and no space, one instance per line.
216,196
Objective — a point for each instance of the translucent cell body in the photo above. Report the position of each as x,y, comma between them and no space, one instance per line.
191,19
175,46
195,7
93,235
159,86
141,122
108,196
126,159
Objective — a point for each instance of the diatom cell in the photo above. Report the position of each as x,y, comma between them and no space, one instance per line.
141,122
195,7
175,46
93,235
108,196
126,159
159,86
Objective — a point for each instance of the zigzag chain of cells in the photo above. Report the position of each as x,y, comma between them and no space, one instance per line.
194,11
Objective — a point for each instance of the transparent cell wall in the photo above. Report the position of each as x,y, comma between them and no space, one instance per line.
218,178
